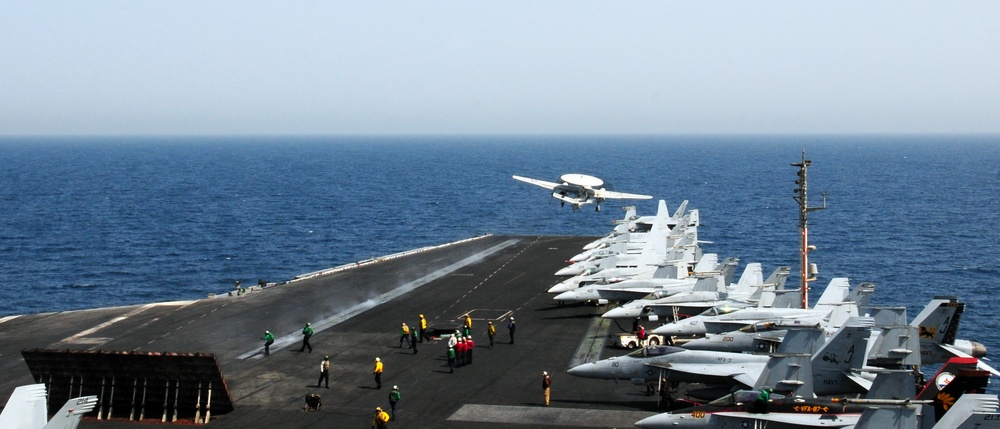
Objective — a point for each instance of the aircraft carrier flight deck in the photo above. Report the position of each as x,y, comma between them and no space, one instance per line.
162,361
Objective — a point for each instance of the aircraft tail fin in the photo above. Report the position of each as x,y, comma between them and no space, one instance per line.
956,377
971,411
707,263
789,371
753,275
72,411
679,213
938,321
802,339
843,352
26,408
834,294
861,295
895,346
775,281
788,298
728,269
893,390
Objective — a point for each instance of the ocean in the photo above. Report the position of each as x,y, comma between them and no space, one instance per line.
93,222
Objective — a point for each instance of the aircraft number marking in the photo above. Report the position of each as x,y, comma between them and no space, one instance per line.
991,417
727,339
614,364
724,360
698,414
812,409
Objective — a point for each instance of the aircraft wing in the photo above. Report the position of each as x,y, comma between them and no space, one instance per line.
26,408
611,195
69,416
744,373
536,182
802,419
980,364
859,380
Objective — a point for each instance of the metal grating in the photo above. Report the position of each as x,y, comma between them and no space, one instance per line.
134,385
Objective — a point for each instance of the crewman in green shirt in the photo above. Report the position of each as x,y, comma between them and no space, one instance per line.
306,333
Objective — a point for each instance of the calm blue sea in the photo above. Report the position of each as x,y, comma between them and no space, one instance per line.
93,222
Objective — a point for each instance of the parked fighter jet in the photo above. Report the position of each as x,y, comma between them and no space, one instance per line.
834,294
654,253
632,224
892,402
580,189
706,273
937,324
26,410
741,369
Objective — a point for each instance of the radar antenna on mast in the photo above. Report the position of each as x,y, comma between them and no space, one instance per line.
809,271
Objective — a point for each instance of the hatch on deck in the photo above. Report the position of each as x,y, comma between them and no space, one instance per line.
134,385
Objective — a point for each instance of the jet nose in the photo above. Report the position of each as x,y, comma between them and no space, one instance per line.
571,270
560,288
587,370
620,313
665,420
566,296
674,329
578,370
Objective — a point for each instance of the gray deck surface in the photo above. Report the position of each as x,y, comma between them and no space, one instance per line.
357,314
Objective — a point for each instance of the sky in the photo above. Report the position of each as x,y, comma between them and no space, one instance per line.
516,67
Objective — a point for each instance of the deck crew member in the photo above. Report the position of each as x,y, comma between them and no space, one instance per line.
460,352
394,396
404,335
268,340
491,331
468,324
378,373
511,327
546,386
306,333
324,372
381,419
451,359
423,329
763,399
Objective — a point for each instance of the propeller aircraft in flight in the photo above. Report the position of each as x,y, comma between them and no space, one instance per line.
580,189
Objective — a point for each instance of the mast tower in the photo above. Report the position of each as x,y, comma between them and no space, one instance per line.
808,271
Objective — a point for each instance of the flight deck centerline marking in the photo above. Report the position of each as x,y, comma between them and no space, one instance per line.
294,337
79,335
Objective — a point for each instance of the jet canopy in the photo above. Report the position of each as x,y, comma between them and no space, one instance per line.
719,310
741,397
652,351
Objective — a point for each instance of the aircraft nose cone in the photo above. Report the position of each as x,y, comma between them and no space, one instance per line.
566,296
560,288
569,271
665,420
587,370
619,313
673,329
